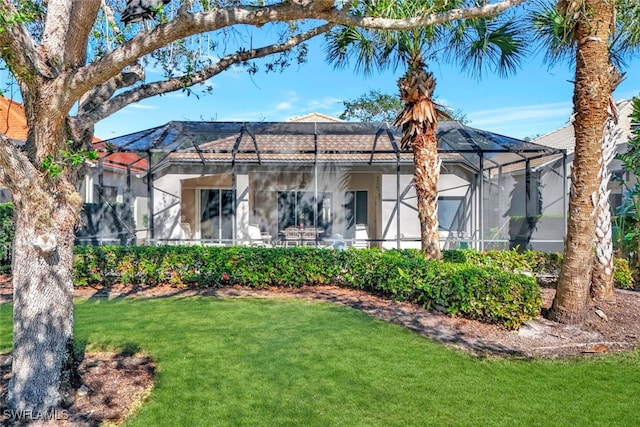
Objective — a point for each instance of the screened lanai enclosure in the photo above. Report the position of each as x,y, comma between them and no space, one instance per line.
328,183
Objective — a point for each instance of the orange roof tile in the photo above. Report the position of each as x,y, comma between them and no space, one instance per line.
13,123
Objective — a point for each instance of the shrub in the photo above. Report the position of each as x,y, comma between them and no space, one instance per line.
622,274
540,264
466,289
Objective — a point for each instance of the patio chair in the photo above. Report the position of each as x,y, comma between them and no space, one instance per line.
185,231
361,239
291,236
257,238
309,236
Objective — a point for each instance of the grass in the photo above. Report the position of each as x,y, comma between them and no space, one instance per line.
256,362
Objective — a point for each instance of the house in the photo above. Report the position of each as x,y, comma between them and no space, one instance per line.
564,139
107,185
209,181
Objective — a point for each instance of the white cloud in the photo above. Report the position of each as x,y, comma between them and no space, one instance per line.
284,106
559,111
142,107
523,121
324,103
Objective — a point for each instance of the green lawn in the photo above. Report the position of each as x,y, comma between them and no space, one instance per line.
256,362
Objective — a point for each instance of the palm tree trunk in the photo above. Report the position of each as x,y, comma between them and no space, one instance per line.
426,176
419,125
602,280
591,95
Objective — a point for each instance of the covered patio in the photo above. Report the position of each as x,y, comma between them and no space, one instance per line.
214,182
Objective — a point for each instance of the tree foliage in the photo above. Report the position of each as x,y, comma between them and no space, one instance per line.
627,218
375,106
554,29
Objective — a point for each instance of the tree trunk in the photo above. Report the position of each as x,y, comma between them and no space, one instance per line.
602,279
426,176
44,368
591,95
46,210
419,121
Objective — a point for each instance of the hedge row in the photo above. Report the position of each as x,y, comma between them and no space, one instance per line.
541,264
490,293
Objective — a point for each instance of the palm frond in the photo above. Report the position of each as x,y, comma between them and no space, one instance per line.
480,44
626,40
554,32
347,45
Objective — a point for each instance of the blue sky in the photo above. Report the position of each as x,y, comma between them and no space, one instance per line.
537,100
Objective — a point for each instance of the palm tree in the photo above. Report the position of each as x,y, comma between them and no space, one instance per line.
471,43
569,31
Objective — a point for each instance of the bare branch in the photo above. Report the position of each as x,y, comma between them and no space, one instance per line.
56,27
188,24
104,108
427,20
100,94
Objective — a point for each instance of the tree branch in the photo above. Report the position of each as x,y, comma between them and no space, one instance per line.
110,17
18,173
104,108
19,49
68,25
189,24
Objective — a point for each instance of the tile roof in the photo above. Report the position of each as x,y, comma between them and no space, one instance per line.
314,117
13,123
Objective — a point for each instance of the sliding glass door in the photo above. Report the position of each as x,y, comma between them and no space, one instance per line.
216,214
356,209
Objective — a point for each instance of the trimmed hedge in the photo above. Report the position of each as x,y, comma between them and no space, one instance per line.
540,264
490,293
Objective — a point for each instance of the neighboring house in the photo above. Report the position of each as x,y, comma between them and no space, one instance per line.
211,180
564,139
112,181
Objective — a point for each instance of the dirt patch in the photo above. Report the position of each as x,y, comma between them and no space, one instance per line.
115,384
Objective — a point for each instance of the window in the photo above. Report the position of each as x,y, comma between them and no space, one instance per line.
216,214
356,209
451,212
109,195
296,208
